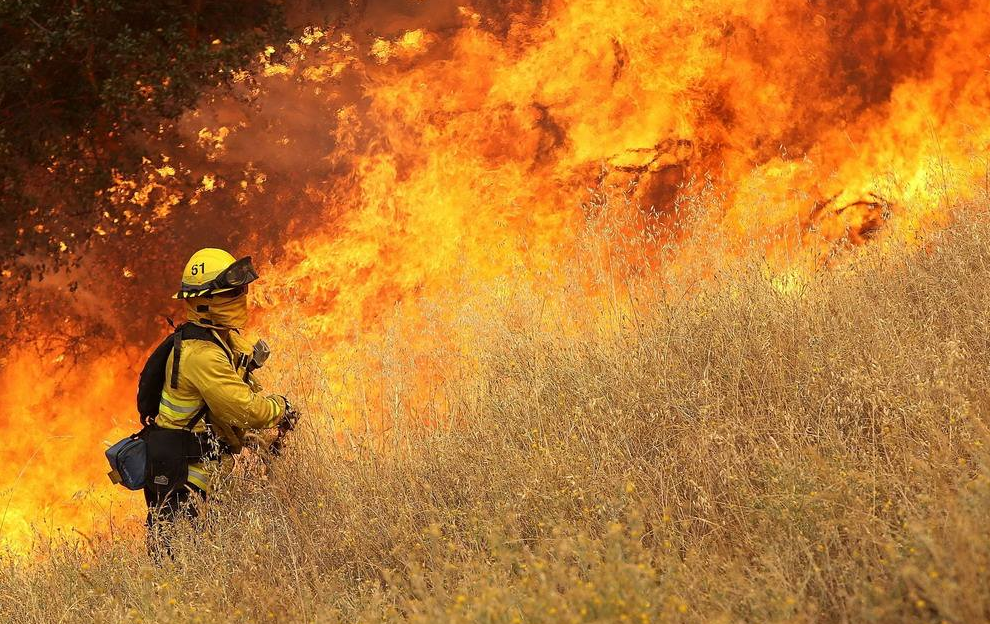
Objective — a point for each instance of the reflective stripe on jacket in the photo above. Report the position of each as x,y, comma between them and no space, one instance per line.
206,376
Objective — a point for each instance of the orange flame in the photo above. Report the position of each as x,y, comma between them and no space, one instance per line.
457,148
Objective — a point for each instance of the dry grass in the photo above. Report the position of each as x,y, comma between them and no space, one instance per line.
738,454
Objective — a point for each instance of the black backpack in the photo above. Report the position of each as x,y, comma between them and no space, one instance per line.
152,380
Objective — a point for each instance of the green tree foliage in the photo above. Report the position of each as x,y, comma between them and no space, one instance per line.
83,84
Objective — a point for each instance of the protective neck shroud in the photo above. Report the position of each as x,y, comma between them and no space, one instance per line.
218,311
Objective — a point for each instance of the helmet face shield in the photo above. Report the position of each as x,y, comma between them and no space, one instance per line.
241,273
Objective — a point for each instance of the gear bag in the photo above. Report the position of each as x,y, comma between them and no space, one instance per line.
156,457
152,380
128,462
169,453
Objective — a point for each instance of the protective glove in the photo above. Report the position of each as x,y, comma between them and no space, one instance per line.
289,418
288,422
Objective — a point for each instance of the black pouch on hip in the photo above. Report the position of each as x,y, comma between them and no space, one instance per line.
168,459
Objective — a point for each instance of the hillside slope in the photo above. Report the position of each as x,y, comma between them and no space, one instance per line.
743,453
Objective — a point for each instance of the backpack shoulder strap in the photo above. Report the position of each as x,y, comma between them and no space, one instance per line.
176,355
153,379
191,331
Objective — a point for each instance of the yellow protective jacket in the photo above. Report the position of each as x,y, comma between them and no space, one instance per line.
215,377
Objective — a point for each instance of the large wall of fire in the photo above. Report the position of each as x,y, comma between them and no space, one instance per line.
387,157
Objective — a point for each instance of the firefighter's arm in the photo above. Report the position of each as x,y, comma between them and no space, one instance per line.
229,398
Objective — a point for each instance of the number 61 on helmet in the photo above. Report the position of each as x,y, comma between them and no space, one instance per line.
212,271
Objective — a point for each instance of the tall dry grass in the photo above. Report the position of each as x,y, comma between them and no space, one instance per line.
741,450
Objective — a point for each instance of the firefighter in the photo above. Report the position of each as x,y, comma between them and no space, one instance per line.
209,400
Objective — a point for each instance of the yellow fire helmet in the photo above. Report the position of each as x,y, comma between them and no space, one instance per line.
213,271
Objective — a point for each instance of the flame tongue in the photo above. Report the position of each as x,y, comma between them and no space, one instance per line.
457,143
